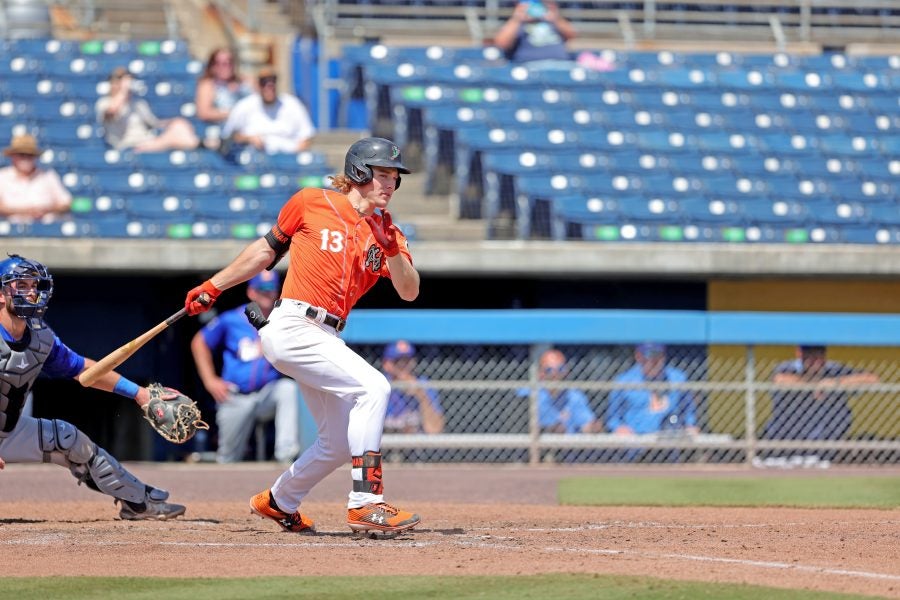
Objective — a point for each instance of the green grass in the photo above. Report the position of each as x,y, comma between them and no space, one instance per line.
538,587
811,492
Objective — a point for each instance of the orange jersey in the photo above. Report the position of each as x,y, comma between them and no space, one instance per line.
334,256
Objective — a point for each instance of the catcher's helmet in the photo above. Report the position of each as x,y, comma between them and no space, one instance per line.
28,284
372,152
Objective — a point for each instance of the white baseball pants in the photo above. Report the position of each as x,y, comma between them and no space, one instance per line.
345,394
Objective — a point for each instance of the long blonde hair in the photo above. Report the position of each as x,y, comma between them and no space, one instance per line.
341,183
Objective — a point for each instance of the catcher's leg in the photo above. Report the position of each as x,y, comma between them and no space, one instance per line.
64,444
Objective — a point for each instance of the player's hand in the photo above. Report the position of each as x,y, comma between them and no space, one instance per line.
218,388
193,304
385,232
2,464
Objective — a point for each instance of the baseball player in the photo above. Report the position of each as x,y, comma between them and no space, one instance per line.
341,242
29,347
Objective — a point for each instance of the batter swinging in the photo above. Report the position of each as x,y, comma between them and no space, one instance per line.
339,247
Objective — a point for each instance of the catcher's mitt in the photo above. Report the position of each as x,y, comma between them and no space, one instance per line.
172,414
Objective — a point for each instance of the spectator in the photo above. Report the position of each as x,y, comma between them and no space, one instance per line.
639,410
562,410
536,32
249,389
819,414
220,87
28,193
268,121
131,124
413,407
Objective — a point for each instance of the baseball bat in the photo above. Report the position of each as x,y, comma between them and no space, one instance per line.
124,352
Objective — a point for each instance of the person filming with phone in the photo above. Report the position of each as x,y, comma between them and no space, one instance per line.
536,33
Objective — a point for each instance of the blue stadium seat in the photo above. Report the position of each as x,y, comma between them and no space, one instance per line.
156,206
125,181
887,214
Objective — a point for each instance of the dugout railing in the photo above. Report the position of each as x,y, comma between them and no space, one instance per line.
484,368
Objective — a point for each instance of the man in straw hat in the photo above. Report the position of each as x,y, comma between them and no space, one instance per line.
27,192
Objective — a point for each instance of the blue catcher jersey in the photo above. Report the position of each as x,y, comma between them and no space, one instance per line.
21,361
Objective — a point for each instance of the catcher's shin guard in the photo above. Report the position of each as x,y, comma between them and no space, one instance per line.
106,475
369,465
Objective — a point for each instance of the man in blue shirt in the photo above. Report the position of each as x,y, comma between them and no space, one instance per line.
413,407
565,410
643,410
249,389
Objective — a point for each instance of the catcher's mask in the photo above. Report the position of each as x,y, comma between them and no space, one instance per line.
28,284
372,152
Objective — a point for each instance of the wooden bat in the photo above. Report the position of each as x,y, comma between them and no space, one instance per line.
123,353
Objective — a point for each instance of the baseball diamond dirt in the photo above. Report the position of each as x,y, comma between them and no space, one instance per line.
476,520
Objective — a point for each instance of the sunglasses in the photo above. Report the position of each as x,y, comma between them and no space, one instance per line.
268,81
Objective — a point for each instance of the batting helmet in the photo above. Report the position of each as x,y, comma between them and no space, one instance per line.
28,284
372,152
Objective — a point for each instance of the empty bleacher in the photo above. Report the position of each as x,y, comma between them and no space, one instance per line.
714,147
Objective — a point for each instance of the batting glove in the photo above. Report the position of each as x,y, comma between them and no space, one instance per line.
385,232
193,304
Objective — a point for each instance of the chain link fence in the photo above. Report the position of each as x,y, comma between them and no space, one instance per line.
765,405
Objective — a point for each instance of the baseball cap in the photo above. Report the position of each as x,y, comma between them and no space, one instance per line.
651,349
266,281
812,348
399,349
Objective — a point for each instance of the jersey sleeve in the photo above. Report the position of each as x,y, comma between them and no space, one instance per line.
62,361
581,411
291,217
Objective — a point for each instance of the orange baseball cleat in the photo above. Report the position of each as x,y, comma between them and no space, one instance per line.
380,517
262,504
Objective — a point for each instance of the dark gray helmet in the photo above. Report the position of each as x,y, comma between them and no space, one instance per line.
372,152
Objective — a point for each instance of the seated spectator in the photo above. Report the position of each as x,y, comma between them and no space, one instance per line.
415,407
562,410
220,87
643,410
28,193
129,123
819,414
268,121
249,389
536,32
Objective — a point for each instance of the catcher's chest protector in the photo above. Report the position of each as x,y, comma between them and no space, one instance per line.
20,364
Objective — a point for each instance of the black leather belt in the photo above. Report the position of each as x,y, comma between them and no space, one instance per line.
313,313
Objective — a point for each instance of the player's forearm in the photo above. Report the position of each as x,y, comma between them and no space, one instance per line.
432,420
203,359
404,277
253,259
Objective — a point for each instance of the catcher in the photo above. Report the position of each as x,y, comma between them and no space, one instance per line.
29,347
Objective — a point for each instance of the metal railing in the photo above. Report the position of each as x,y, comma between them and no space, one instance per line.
720,402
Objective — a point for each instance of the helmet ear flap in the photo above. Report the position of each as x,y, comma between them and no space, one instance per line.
357,172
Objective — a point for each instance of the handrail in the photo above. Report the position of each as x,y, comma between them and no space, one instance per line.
656,21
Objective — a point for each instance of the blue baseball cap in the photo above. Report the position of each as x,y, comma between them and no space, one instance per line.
399,349
266,281
651,349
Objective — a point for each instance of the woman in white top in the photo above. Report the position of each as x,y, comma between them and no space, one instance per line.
130,123
28,193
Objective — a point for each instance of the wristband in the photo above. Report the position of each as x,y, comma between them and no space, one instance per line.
126,387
